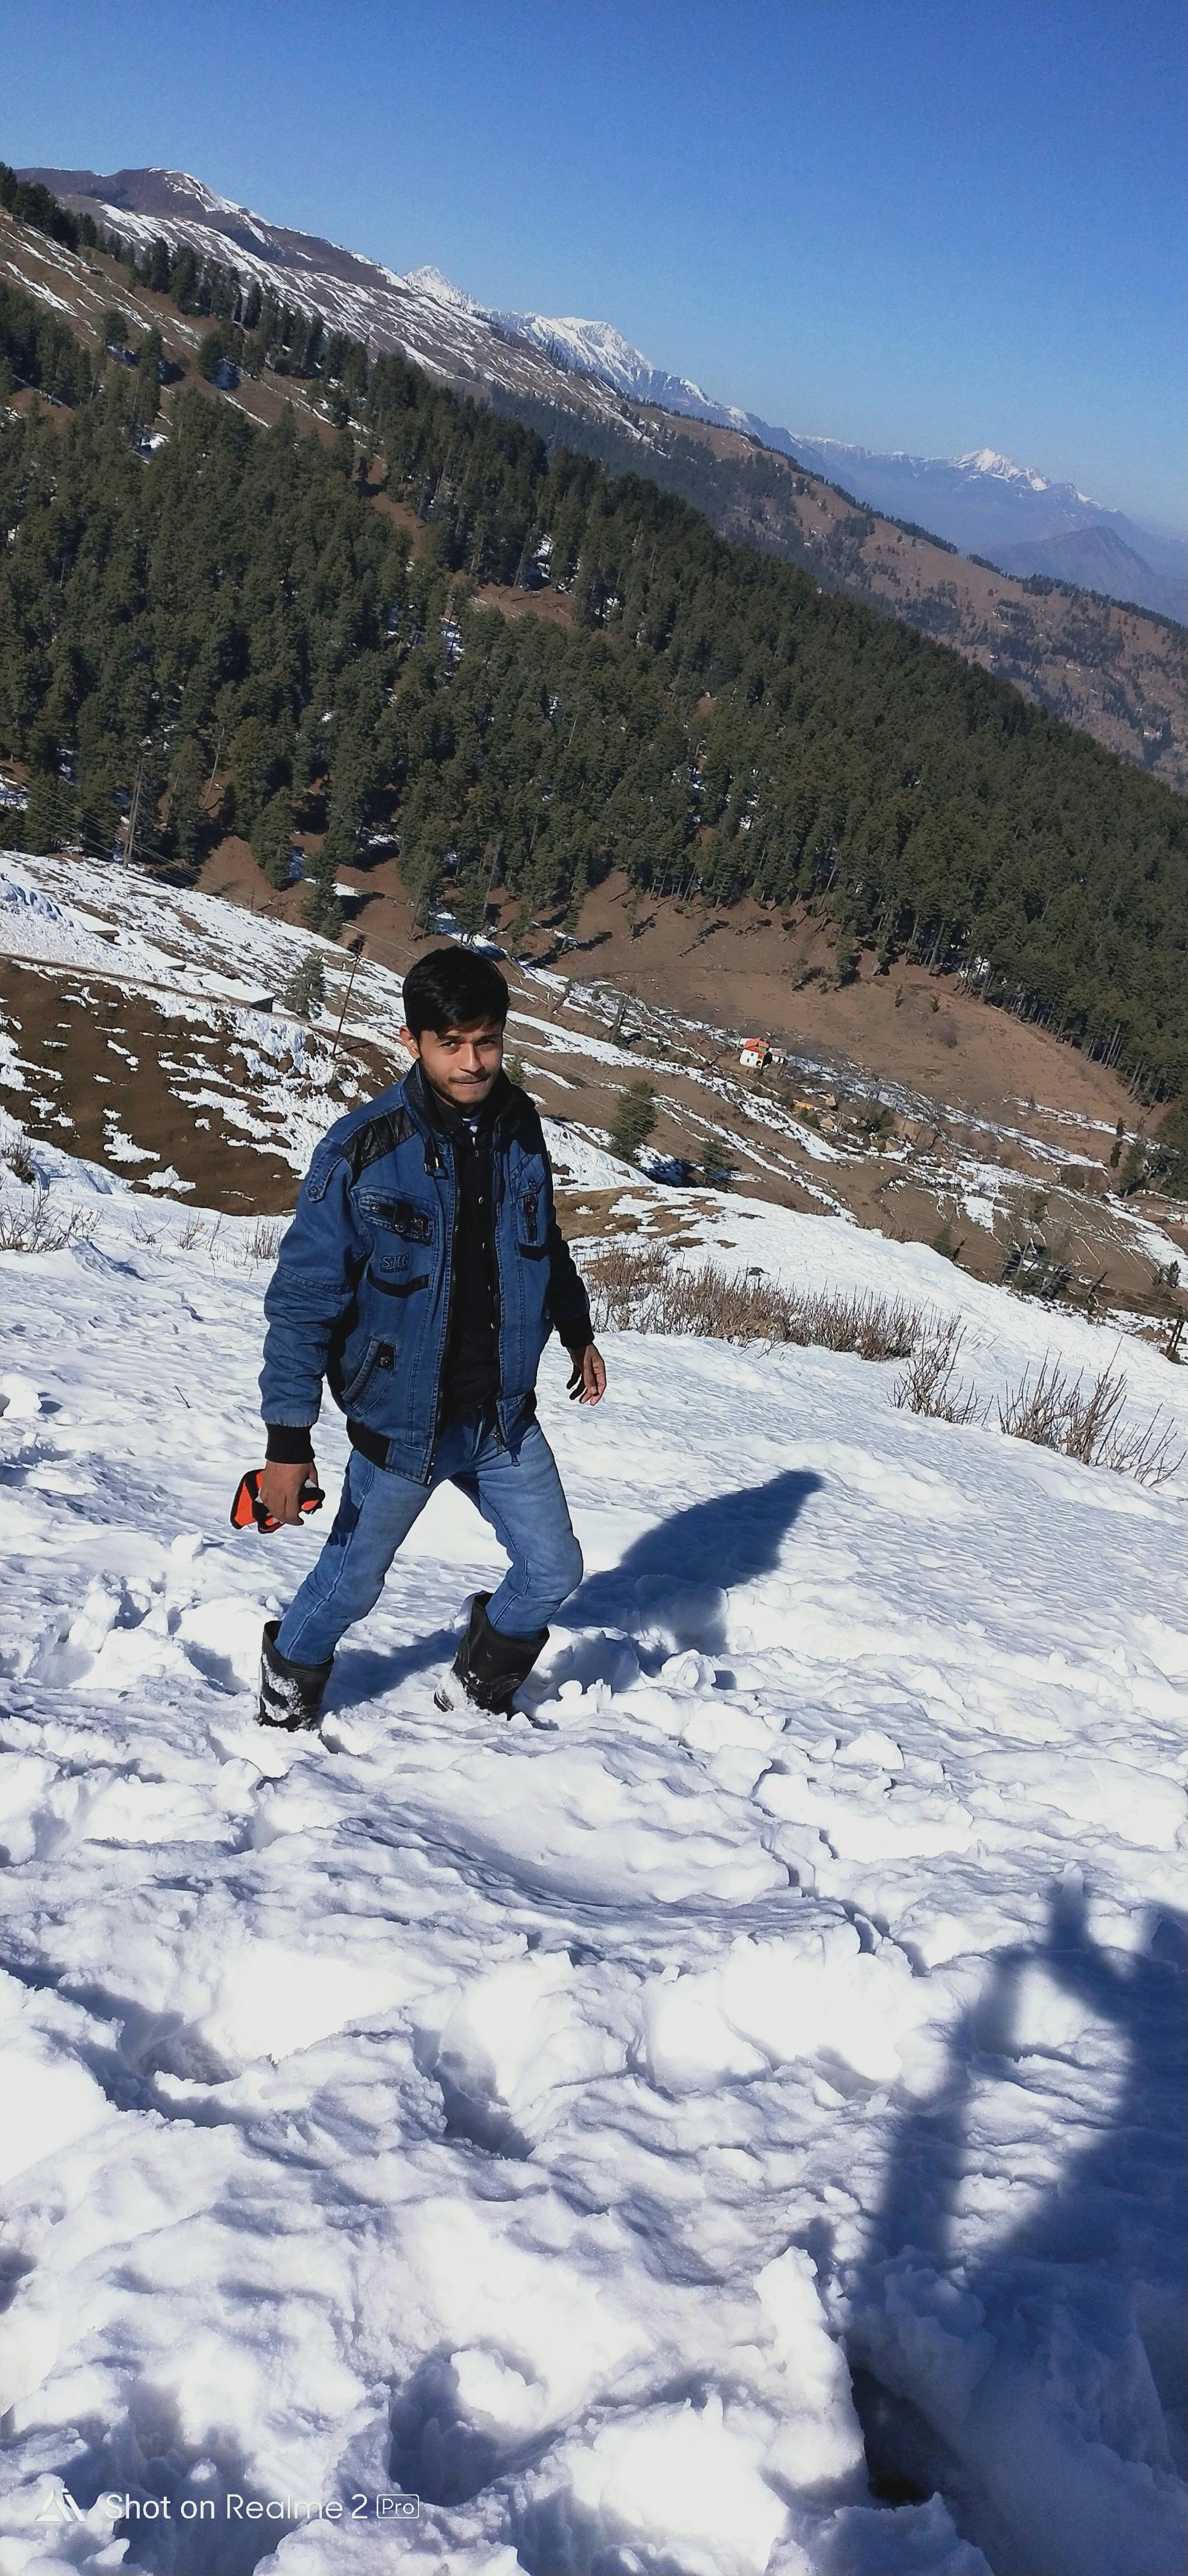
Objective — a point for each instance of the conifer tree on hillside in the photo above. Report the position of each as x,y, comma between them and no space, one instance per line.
146,383
306,988
717,1167
272,840
321,910
255,761
48,814
633,1122
186,781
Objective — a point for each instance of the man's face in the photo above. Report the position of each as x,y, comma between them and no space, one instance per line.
460,1063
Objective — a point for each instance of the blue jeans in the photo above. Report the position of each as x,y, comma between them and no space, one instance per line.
521,1497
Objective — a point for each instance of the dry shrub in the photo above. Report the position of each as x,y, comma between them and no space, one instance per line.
242,1251
1052,1406
1085,1419
930,1384
877,1328
639,1287
193,1232
263,1243
20,1161
35,1226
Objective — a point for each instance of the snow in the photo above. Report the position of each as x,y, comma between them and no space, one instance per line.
985,460
194,954
545,2123
441,289
35,286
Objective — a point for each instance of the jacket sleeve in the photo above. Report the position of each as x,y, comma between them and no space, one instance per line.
311,1292
569,1306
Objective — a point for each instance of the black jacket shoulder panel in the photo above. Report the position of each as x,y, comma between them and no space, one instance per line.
357,1139
380,1136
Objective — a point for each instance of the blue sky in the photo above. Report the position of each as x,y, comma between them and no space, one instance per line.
933,224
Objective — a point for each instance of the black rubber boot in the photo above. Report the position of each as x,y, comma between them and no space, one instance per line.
490,1665
290,1694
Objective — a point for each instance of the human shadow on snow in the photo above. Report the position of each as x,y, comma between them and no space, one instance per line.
673,1582
1035,2383
676,1578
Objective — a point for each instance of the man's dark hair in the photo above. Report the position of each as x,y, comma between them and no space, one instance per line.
451,988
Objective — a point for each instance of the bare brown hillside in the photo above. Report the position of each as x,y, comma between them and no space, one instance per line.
1116,672
975,1135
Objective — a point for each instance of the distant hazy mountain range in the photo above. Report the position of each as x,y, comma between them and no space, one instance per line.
981,503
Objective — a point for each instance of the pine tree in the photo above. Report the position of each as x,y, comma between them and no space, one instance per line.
305,991
717,1167
321,910
212,350
146,383
633,1121
183,279
253,770
272,840
47,814
186,781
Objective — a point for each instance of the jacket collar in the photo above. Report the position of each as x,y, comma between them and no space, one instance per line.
441,1117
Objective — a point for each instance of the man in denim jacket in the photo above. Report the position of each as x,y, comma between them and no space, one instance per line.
420,1278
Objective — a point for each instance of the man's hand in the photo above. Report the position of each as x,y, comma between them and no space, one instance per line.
280,1488
588,1382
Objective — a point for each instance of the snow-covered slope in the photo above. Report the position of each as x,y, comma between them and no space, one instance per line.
422,314
545,2123
981,502
597,349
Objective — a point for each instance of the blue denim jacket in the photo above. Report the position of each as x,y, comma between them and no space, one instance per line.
360,1296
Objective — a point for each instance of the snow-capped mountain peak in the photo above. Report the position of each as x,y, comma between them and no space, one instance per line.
182,183
440,289
986,460
598,349
593,348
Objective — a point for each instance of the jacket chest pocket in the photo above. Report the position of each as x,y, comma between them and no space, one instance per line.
531,1216
413,1224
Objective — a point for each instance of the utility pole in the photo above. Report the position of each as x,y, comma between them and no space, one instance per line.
428,879
134,815
357,951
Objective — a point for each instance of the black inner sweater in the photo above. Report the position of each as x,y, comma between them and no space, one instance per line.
470,1368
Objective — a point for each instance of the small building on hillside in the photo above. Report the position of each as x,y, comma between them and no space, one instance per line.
755,1053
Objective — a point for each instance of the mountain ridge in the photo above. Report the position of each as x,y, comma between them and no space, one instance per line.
981,502
1112,671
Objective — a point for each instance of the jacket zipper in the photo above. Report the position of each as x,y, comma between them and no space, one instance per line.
439,1166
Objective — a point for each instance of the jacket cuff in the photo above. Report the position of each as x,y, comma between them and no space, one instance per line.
289,1443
